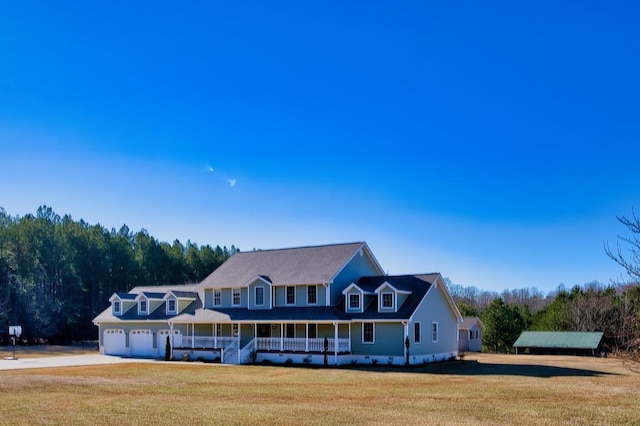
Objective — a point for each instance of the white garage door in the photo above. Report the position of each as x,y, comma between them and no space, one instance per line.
141,343
114,342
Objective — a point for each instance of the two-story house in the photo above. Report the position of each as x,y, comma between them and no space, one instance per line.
289,304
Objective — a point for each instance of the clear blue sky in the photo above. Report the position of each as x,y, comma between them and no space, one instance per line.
494,142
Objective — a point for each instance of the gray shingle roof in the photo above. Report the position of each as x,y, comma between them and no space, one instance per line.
301,265
468,322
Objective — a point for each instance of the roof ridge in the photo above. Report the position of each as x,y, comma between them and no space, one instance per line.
302,247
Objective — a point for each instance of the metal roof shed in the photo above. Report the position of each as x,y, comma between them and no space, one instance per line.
558,342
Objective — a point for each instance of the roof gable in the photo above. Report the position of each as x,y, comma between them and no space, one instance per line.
468,322
301,265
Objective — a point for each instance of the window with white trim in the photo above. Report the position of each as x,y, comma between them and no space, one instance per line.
259,296
312,295
368,332
217,297
312,331
354,301
291,295
416,332
387,300
218,329
434,332
236,297
470,334
143,306
171,305
236,329
116,307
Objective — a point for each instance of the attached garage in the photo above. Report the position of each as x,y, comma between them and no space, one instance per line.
114,342
141,343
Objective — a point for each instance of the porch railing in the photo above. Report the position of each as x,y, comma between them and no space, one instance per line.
300,344
207,342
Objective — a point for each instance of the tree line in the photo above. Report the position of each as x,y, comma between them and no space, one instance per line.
613,309
57,274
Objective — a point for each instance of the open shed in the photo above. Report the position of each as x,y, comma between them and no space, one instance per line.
559,343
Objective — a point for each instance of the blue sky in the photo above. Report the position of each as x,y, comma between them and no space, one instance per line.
494,142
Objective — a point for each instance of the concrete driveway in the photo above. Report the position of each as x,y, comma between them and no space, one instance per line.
66,361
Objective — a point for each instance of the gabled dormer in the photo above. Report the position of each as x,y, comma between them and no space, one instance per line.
259,292
149,302
390,298
177,301
121,303
355,298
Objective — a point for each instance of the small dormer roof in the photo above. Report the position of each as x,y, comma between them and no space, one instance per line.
186,295
150,295
355,286
122,296
388,284
265,279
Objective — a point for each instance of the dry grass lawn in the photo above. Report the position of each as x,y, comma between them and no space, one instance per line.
45,350
495,389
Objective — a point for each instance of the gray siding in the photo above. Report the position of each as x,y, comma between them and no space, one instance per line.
389,340
434,308
359,266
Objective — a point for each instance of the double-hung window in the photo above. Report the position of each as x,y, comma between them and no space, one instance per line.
259,296
217,297
291,295
218,329
434,332
387,300
116,307
354,301
312,295
368,333
171,305
416,332
143,306
236,329
236,297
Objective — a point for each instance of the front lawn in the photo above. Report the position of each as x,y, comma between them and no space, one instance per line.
495,389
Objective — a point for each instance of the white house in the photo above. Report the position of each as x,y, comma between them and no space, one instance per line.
299,304
470,334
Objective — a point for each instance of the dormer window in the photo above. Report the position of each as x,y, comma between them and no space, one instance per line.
291,295
143,306
354,301
116,307
387,300
259,296
171,305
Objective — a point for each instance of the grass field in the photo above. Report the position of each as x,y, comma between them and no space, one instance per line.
484,389
48,350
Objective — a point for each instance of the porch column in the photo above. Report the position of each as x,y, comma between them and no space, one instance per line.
306,337
193,335
215,335
239,340
255,330
349,338
335,343
282,337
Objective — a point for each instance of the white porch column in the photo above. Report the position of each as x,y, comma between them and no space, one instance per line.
306,335
215,336
193,335
239,340
349,338
281,337
255,330
335,343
